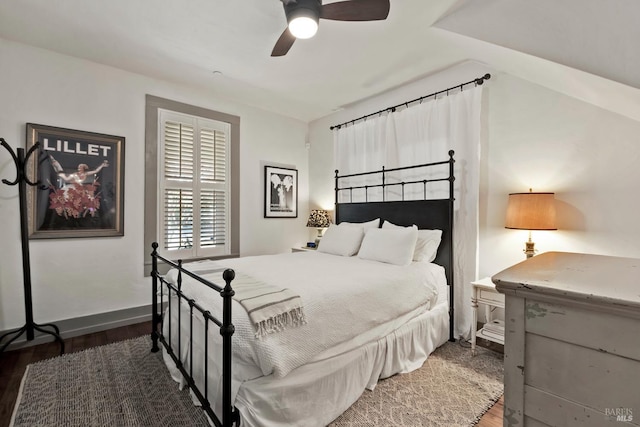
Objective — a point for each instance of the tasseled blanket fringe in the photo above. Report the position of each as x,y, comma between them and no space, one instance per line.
293,318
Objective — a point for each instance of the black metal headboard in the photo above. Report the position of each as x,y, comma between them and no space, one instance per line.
435,214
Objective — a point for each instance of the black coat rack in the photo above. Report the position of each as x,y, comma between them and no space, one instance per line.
22,180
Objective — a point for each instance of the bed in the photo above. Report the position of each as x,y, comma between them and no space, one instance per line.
360,316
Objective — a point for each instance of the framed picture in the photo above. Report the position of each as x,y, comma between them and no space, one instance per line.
81,183
280,193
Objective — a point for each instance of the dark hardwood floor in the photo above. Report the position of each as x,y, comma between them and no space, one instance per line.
13,364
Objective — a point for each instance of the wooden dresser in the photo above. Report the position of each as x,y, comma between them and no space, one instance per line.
572,341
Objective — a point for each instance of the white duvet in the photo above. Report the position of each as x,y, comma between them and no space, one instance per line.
343,298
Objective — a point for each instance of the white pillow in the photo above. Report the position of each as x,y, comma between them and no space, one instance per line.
426,245
374,223
387,224
393,246
343,241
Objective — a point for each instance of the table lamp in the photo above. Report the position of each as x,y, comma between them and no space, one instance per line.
319,219
531,211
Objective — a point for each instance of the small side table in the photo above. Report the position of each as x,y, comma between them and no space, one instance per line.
484,291
302,249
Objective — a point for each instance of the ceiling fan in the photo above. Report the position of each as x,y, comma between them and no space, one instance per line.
303,17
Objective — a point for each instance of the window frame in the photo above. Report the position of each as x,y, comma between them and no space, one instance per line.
152,176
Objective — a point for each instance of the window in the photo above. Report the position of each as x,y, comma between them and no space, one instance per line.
192,172
193,202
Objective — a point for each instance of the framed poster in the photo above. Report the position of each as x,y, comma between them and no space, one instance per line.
280,193
81,183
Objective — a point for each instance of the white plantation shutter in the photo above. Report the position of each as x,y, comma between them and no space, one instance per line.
194,185
212,218
178,150
213,155
178,212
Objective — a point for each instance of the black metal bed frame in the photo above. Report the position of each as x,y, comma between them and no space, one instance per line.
433,213
230,415
427,213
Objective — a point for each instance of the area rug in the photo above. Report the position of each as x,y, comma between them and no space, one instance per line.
123,384
120,384
451,389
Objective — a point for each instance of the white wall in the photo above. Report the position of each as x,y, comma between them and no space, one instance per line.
78,277
536,138
589,157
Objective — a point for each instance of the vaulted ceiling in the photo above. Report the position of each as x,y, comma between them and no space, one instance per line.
584,48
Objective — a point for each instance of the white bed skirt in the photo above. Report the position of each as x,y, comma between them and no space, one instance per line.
316,394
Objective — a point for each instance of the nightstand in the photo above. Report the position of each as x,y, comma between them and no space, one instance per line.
484,291
302,249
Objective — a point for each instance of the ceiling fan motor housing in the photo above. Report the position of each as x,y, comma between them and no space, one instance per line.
306,8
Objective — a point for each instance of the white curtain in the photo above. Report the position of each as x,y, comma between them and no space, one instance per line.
424,133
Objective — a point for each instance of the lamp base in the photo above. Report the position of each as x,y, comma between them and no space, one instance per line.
318,237
529,249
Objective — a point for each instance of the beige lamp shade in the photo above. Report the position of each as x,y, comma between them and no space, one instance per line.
531,211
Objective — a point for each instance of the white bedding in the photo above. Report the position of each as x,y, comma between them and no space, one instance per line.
343,298
313,395
349,303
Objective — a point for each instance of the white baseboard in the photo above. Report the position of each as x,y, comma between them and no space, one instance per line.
70,328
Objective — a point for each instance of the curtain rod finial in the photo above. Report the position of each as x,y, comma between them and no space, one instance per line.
481,80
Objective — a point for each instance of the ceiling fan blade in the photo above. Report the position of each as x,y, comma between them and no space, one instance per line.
284,43
356,10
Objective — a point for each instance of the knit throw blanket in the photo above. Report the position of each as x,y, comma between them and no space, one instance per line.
270,308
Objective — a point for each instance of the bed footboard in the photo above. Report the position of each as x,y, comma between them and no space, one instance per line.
230,415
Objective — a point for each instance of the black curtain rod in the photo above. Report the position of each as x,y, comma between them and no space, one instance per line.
477,81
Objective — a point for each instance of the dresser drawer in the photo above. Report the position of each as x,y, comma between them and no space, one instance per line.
492,297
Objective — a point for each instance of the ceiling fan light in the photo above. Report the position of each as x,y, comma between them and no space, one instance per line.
303,27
